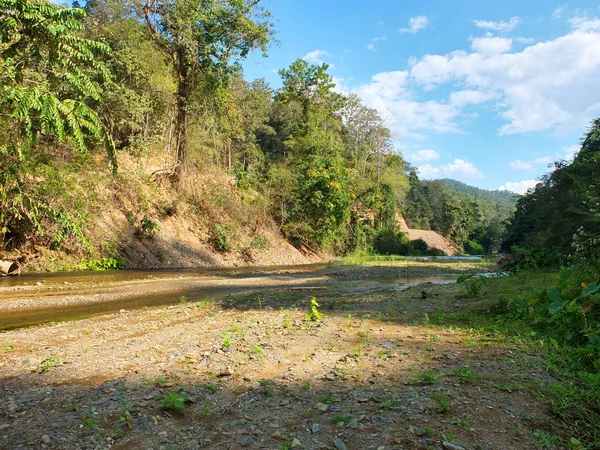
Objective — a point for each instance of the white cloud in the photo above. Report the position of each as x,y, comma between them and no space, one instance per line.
390,94
428,171
524,40
520,165
549,85
315,57
585,24
501,25
415,24
471,97
570,151
491,45
462,169
557,14
519,187
459,168
544,160
423,155
371,45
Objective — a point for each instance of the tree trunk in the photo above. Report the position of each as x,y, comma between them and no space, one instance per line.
183,97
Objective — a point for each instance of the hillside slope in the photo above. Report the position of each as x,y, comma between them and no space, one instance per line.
140,221
432,238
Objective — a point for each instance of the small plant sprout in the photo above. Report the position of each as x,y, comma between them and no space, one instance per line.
314,315
48,364
443,402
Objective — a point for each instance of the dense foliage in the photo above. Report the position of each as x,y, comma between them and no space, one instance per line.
561,215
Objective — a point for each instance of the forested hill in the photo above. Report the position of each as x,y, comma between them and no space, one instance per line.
492,196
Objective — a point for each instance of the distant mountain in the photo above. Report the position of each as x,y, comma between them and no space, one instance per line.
502,197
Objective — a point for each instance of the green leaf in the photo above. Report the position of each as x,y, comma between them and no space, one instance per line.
556,306
591,289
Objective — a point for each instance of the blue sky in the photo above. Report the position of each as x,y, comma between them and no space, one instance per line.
485,92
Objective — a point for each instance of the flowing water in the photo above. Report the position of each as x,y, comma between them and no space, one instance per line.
39,298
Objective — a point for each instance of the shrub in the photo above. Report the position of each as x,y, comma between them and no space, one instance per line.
391,241
260,242
418,247
219,238
474,248
474,284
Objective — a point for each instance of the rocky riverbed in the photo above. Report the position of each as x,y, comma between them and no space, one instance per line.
253,370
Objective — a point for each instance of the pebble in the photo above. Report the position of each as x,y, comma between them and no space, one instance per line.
235,446
322,407
296,443
450,446
45,439
315,428
339,444
276,435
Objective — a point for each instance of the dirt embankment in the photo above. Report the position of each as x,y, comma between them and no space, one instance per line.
432,238
151,222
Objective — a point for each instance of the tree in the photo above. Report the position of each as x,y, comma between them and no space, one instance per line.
205,40
47,73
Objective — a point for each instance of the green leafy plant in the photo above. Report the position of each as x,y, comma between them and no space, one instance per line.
174,401
473,283
314,315
340,419
442,400
48,364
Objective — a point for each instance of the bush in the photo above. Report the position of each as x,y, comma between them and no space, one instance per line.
219,238
390,241
418,247
474,248
260,242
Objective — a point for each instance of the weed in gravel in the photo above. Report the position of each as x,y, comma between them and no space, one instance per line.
427,431
174,401
466,374
314,315
7,348
383,355
210,386
357,352
442,400
90,423
287,320
340,420
257,351
333,346
449,437
226,340
161,380
429,377
513,386
462,423
266,386
48,364
328,398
